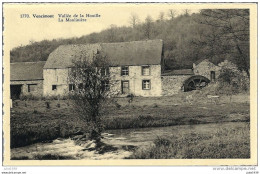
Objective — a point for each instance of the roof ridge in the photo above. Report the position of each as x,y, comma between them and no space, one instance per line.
27,62
100,43
147,40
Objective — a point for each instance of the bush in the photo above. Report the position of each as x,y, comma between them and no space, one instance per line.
57,97
30,97
52,157
231,80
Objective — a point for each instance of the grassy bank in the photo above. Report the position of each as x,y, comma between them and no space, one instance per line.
228,141
33,121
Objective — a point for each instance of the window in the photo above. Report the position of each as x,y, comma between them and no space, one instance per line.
54,87
71,87
212,76
80,86
105,84
146,84
145,70
32,87
124,71
105,71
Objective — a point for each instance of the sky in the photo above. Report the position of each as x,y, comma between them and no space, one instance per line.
21,30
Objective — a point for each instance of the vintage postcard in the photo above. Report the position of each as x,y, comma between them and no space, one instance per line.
162,84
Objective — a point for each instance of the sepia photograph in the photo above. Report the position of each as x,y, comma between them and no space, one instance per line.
130,84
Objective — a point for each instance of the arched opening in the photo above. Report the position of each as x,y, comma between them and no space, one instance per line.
195,83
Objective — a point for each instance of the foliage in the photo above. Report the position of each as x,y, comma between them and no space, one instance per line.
229,36
231,80
187,38
93,85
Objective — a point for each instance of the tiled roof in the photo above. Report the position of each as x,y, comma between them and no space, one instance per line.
64,55
179,72
147,52
27,70
199,61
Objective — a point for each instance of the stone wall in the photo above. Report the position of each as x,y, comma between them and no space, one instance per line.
59,77
135,79
36,90
173,84
204,69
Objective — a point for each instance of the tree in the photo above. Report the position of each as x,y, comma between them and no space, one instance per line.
161,16
172,14
231,80
134,20
148,27
91,81
186,12
232,26
111,33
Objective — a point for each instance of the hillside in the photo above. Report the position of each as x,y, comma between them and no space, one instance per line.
187,38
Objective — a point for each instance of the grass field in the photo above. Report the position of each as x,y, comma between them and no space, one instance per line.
210,141
32,121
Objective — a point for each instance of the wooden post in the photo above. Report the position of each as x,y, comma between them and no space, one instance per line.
11,103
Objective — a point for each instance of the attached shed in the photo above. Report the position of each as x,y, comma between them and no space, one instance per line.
172,81
206,68
26,78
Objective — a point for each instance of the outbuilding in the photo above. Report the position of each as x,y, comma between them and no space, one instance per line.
26,78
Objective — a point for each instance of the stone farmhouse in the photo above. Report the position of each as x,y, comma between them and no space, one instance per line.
137,67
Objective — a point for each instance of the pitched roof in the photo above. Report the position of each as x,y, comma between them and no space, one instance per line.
27,70
147,52
122,53
179,72
64,55
200,60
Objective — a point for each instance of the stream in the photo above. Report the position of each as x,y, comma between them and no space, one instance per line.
124,142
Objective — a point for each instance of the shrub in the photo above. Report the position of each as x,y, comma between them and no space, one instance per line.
47,105
52,157
30,97
162,142
231,80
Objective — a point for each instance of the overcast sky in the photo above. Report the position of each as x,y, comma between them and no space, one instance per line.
23,30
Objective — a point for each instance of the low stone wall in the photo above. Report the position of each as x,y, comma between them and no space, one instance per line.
173,84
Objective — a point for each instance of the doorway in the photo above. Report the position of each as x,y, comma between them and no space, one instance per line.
16,91
125,87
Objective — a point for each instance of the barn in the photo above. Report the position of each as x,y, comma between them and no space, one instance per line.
26,78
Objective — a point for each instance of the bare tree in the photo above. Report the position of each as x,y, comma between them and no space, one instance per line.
134,20
172,14
161,16
186,12
111,34
148,27
91,83
232,26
